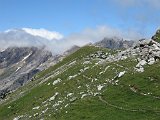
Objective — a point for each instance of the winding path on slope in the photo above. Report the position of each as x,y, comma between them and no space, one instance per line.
125,109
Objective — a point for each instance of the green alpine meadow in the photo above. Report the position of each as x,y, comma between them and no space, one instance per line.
92,83
79,59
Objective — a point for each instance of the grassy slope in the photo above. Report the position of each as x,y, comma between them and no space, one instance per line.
157,37
125,101
116,101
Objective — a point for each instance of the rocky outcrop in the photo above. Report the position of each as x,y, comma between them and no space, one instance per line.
145,52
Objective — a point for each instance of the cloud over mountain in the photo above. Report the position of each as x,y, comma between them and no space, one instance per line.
56,43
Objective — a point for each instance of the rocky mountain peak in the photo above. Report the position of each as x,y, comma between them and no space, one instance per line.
114,43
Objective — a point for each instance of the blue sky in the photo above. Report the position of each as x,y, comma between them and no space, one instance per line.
73,16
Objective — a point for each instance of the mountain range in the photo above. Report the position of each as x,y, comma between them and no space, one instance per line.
112,79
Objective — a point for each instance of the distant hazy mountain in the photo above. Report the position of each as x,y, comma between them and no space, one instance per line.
114,43
26,37
19,37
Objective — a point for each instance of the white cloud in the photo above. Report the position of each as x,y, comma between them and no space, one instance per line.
93,35
44,33
148,3
142,15
89,35
98,33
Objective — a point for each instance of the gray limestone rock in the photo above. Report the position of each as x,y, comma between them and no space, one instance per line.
18,65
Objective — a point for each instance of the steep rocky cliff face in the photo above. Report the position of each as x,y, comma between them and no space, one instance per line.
20,64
